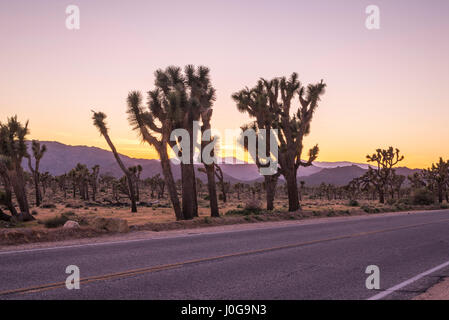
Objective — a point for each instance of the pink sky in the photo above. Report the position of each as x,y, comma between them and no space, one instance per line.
385,87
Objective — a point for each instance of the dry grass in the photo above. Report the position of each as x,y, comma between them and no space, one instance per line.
161,212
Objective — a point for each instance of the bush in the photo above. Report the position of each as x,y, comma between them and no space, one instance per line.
48,205
353,203
422,197
406,201
55,222
369,209
251,207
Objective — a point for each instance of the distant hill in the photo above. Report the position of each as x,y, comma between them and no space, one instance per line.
341,176
61,158
338,176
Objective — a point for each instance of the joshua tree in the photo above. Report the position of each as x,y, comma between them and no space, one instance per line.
155,126
6,196
255,102
396,182
93,180
293,129
438,174
38,153
275,98
239,188
13,148
99,122
62,180
209,168
136,171
202,96
381,176
224,186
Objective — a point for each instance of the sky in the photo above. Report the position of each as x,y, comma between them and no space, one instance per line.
384,87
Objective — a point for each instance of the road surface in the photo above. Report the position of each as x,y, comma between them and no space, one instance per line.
325,260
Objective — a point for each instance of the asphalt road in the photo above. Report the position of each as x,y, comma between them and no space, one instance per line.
326,260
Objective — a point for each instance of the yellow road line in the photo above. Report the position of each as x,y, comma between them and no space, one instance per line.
133,272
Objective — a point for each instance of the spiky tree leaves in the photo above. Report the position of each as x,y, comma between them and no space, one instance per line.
99,120
13,147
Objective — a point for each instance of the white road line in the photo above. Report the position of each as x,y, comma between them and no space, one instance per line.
401,285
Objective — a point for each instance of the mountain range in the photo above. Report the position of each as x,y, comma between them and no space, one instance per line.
61,158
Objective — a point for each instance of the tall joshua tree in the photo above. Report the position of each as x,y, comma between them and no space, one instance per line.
202,97
255,102
272,102
13,147
293,129
99,122
38,153
154,126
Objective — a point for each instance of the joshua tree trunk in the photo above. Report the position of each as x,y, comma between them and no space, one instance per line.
440,194
188,203
18,184
129,178
292,189
210,168
7,201
381,195
212,189
270,185
171,186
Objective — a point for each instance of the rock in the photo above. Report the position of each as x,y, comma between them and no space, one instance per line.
110,224
71,225
117,225
99,223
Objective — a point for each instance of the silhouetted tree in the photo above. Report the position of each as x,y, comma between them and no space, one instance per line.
155,126
99,122
13,147
381,176
38,153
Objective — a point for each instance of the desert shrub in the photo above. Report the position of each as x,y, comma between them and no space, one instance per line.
69,214
207,220
353,203
206,197
73,205
422,197
48,205
391,201
444,206
55,222
405,200
251,207
369,209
